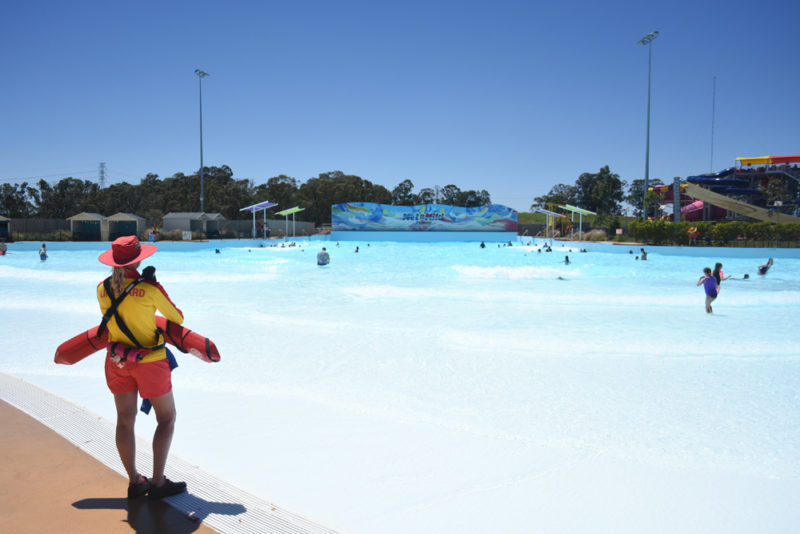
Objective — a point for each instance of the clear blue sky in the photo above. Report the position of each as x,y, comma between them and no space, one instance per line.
511,97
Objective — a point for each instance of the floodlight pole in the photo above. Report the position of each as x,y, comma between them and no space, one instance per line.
200,75
647,40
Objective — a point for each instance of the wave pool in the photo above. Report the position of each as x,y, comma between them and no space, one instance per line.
441,387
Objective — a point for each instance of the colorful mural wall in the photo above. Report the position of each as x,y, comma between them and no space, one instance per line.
422,218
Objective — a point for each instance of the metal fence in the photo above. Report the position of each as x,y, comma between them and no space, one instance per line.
39,229
59,229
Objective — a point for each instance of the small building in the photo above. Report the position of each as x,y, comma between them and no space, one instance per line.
194,221
213,223
88,226
5,228
122,224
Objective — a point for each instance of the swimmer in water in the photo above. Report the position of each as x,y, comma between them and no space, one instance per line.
709,284
762,269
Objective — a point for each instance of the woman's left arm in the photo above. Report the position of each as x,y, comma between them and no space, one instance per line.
164,304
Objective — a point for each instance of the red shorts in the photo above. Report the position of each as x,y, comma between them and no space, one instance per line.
151,379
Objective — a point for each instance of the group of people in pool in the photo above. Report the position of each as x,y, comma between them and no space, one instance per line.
42,251
324,258
130,319
712,281
644,254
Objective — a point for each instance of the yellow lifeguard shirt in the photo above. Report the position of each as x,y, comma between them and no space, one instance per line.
138,310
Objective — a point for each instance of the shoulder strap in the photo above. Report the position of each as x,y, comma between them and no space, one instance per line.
112,310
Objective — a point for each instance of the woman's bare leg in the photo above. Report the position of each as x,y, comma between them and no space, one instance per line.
125,436
162,439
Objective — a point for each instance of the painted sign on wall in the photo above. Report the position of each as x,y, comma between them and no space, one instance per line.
422,218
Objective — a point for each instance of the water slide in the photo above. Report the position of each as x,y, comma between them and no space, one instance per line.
694,211
736,206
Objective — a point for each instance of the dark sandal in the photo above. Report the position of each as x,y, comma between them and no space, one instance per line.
169,488
139,488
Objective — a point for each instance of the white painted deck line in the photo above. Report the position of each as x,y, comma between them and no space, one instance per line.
218,504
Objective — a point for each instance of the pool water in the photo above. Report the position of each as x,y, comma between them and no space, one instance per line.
395,388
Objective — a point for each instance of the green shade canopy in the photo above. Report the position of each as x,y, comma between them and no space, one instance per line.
576,210
286,213
290,211
581,213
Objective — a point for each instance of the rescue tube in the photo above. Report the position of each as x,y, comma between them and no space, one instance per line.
87,343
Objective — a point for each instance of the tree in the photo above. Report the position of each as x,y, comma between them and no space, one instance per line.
379,194
652,200
426,196
181,193
473,199
18,200
224,194
319,194
68,197
403,194
118,197
449,195
559,194
636,194
776,190
280,189
154,197
601,192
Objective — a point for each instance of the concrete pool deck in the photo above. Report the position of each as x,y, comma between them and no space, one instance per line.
49,484
59,472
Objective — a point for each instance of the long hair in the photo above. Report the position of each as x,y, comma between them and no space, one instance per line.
117,280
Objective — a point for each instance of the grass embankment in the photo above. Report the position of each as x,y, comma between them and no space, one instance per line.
540,218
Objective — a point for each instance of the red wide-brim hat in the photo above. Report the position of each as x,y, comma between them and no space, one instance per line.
126,251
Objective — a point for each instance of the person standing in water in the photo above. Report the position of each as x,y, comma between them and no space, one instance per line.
323,258
709,284
719,276
43,252
128,302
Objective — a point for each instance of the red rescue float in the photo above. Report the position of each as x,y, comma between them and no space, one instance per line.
87,343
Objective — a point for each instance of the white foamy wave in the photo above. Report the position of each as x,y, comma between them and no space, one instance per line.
282,321
85,306
48,275
268,272
513,273
416,293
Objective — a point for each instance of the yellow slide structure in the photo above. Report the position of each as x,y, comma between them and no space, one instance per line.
736,206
